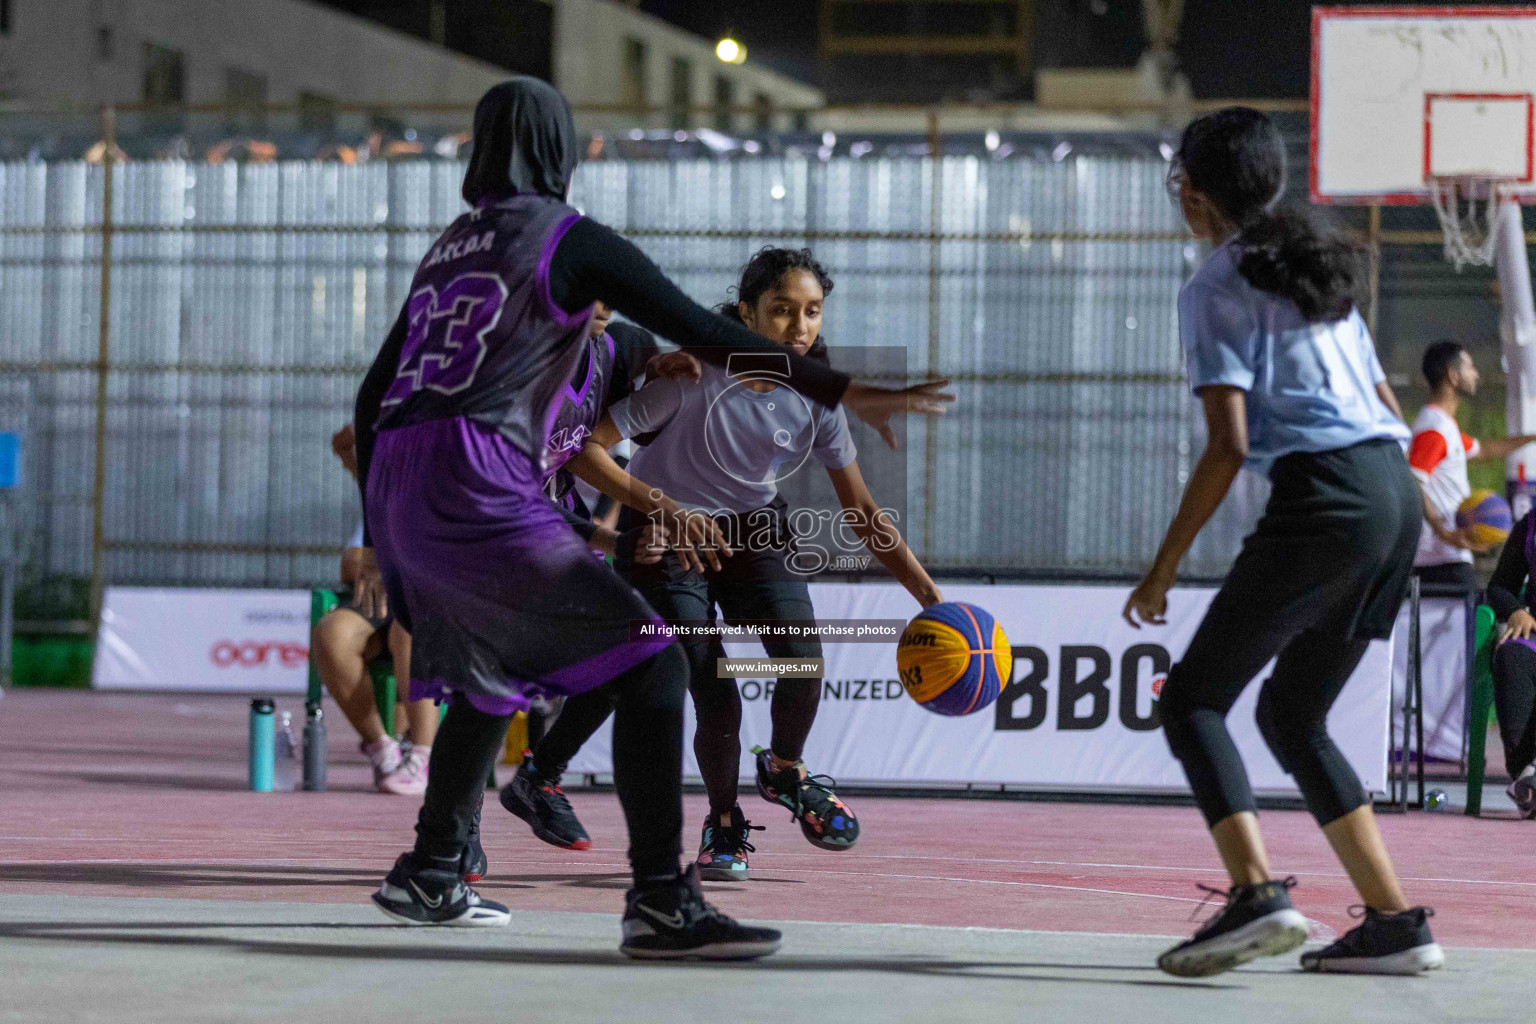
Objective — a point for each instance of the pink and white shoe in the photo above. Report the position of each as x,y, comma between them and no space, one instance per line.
410,778
384,754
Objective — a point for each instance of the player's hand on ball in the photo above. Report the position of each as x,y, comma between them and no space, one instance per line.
876,406
1148,603
1465,539
1458,538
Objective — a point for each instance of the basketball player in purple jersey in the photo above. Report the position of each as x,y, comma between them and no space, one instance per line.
503,599
617,355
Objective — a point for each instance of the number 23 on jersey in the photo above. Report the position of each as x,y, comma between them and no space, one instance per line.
445,343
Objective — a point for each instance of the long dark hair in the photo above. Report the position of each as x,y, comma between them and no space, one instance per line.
766,270
1236,157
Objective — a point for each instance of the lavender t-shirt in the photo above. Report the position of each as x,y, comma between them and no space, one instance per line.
720,447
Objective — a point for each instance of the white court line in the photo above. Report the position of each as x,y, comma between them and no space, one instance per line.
999,881
256,867
1092,864
785,921
771,856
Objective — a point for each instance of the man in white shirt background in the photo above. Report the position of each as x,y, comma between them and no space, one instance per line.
1438,456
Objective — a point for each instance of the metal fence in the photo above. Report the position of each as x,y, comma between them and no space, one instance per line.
185,442
189,334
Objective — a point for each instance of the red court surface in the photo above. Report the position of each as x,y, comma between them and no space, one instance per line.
127,795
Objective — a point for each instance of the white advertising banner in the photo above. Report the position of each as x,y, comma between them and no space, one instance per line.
1443,654
1078,714
244,641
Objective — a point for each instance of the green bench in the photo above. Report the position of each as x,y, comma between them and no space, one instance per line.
1480,707
382,670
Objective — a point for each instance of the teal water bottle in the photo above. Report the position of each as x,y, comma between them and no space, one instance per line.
262,736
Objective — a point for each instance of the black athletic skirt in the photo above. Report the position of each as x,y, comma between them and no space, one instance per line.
1336,543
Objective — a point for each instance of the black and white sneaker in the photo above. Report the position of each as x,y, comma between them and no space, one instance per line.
416,895
543,805
1523,792
1258,920
672,921
1380,944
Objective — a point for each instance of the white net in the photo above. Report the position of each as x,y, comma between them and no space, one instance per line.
1468,211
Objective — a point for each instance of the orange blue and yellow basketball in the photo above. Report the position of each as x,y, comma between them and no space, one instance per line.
1486,518
954,658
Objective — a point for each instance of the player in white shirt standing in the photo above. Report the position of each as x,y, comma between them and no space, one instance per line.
1438,457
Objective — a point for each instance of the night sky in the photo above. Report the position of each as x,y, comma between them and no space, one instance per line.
1220,41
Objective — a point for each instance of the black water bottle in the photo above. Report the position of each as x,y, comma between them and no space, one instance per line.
314,749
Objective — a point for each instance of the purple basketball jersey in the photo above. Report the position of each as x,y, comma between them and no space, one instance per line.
486,341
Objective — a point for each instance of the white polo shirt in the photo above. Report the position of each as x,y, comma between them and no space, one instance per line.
1438,457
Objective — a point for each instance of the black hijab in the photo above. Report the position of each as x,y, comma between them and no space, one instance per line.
525,141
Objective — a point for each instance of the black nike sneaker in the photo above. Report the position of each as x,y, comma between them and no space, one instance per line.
542,804
824,819
724,848
1380,944
472,862
416,895
1258,920
672,921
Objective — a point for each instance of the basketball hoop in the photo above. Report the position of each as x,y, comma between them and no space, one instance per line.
1468,209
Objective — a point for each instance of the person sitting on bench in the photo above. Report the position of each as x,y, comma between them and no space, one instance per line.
1514,663
355,634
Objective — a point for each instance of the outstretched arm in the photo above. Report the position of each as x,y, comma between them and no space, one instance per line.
1226,422
1502,447
593,263
869,522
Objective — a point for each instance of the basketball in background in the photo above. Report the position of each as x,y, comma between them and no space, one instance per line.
1486,518
953,659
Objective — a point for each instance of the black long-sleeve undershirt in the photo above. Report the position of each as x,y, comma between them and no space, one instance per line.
370,397
1509,577
593,263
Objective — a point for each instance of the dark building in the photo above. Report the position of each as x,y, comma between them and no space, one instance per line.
514,34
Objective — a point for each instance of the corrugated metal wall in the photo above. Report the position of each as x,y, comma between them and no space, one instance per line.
246,300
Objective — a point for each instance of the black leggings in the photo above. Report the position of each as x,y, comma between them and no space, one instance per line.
647,767
1514,694
688,597
1292,715
1325,570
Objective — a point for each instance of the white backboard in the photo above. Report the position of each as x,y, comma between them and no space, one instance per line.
1403,93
